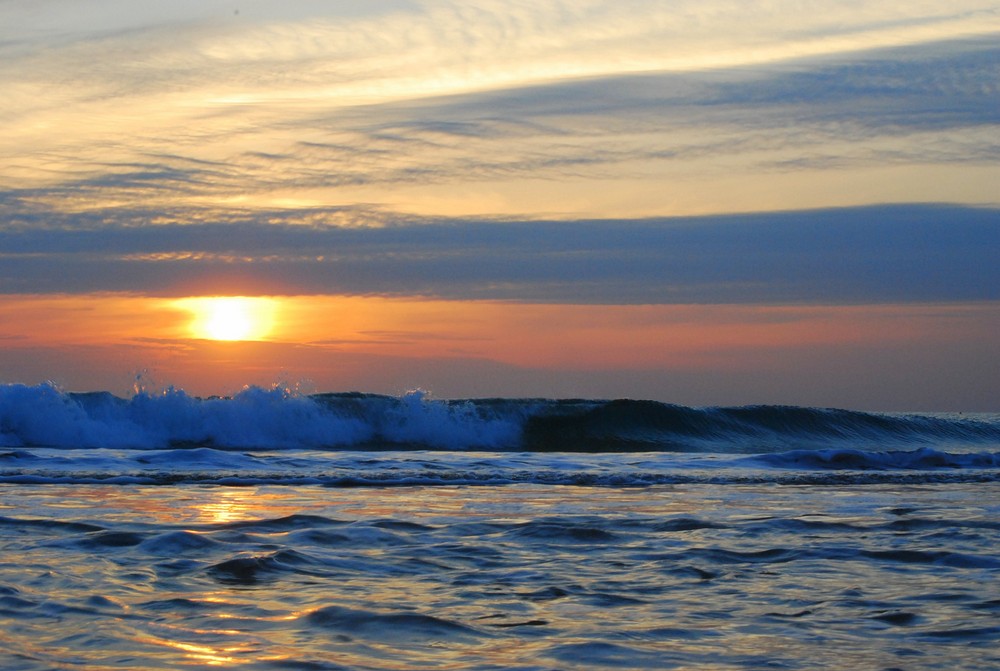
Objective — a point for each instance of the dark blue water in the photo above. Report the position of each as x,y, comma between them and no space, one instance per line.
346,531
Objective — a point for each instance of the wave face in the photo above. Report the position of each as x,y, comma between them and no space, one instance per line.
273,419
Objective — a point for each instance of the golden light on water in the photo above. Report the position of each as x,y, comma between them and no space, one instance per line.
232,505
230,317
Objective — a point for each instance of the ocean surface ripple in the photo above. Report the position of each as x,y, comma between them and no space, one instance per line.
518,577
352,531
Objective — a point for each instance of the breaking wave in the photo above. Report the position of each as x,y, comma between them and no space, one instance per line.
271,419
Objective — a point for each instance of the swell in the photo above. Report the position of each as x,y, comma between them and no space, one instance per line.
626,424
400,469
256,418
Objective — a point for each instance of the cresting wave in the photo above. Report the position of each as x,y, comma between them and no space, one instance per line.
269,419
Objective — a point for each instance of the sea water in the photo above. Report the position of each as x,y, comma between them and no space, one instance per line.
352,531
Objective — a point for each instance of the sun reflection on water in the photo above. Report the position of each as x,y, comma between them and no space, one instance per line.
233,652
231,504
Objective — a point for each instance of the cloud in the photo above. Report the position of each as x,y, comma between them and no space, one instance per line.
927,105
858,255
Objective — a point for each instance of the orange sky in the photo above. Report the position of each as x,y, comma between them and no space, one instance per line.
699,201
386,344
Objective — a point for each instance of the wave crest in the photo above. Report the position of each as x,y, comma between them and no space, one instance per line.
257,418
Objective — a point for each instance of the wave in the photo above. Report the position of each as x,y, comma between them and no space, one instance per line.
985,468
274,419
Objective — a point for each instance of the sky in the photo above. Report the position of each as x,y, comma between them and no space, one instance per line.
703,202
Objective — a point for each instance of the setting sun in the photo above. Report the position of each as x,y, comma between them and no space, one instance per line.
230,318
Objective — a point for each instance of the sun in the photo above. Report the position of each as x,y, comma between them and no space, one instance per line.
230,317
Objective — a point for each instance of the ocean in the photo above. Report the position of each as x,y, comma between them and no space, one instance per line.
273,530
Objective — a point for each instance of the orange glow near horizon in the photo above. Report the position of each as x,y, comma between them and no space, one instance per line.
214,345
527,334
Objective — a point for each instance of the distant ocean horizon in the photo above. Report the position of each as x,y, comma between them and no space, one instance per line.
274,530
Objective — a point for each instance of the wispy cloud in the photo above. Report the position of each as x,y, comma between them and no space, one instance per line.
861,255
322,104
